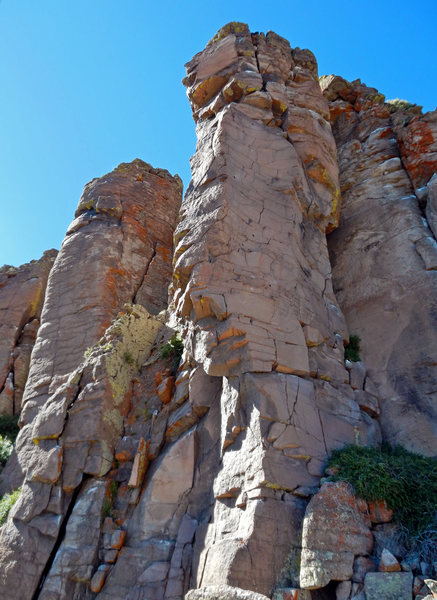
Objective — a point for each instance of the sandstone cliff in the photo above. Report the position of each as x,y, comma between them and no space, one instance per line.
171,444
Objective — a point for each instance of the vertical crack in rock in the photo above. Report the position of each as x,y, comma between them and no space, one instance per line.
59,540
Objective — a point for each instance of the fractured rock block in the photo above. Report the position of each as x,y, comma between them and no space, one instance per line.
388,586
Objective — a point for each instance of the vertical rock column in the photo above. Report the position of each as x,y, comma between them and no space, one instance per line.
22,291
116,251
384,254
252,291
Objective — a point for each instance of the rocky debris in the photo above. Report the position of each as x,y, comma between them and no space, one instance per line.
388,563
432,585
91,343
388,586
335,530
22,291
390,301
291,594
223,592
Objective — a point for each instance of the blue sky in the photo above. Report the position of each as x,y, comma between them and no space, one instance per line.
92,83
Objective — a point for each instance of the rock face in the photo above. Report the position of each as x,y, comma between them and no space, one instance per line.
384,253
163,451
22,293
253,294
79,382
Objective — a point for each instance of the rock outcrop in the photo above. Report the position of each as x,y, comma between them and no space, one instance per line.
384,253
168,447
117,252
22,293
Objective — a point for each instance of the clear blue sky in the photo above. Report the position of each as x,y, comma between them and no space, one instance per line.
87,84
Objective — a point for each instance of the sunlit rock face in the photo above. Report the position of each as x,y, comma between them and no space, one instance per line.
384,252
108,281
252,292
175,446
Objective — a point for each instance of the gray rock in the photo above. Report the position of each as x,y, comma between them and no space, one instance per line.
388,586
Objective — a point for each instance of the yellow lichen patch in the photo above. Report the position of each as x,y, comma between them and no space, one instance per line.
324,377
207,89
234,27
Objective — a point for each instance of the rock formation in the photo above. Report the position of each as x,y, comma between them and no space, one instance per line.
21,299
386,162
174,446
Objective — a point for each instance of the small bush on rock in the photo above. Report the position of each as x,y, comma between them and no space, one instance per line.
398,104
173,349
352,350
6,503
406,481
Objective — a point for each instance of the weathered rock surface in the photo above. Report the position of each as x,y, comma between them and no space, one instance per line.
335,530
252,291
167,452
83,363
222,592
388,586
384,254
22,291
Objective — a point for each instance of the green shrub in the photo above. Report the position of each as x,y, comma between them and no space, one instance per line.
6,503
406,481
398,104
352,350
128,358
173,349
6,447
9,427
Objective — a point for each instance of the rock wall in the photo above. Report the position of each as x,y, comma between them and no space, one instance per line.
22,293
117,252
384,253
253,295
172,447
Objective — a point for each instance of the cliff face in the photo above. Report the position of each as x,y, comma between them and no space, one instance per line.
165,447
387,158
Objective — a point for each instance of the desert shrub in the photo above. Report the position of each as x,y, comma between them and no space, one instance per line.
6,503
406,481
398,104
352,350
173,349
